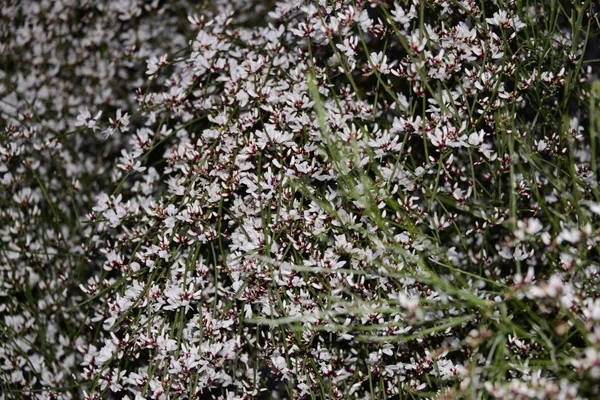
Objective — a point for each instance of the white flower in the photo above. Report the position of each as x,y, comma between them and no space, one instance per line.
402,17
569,235
502,19
380,63
280,365
417,45
85,119
476,138
594,207
154,64
177,297
520,254
348,47
119,124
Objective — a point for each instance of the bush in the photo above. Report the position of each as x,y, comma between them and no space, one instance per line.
299,200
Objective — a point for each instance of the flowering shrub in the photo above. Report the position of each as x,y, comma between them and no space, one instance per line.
301,199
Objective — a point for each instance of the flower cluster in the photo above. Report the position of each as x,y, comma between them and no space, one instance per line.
304,199
66,69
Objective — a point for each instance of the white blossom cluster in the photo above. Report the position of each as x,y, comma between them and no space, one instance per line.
297,199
